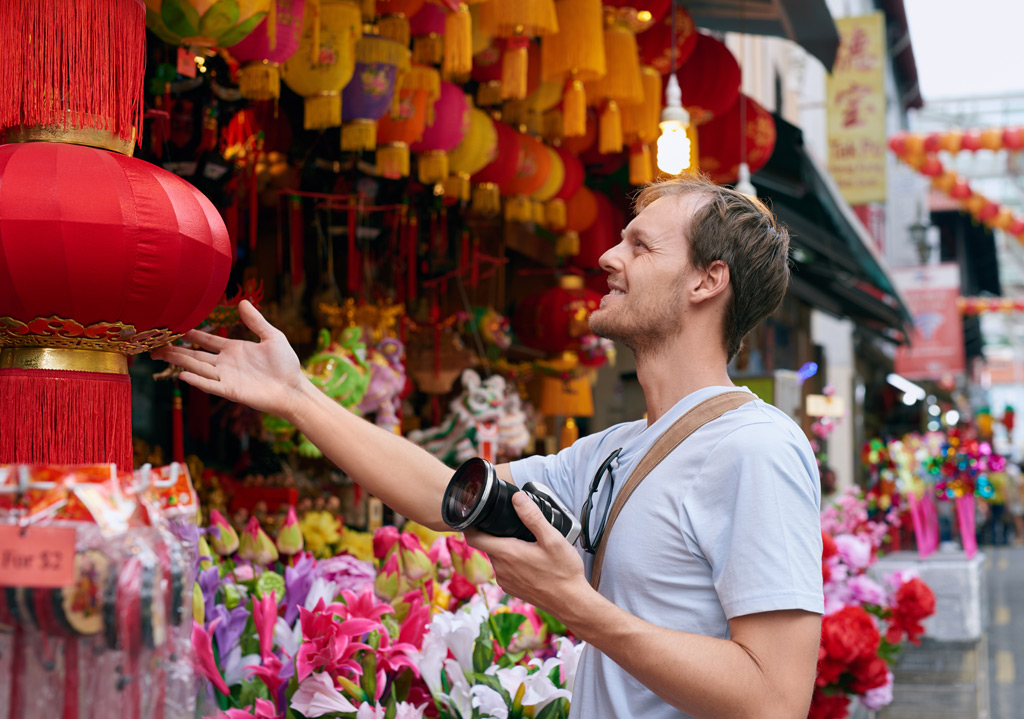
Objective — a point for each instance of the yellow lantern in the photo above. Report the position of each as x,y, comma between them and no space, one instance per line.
472,154
325,61
574,56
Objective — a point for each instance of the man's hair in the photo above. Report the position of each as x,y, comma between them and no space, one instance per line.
740,231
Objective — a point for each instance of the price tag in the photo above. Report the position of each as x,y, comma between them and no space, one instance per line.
186,63
42,557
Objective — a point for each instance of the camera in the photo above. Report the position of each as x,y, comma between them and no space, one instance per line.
477,499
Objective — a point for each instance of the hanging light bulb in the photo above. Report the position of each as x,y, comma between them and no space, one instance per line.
744,185
673,144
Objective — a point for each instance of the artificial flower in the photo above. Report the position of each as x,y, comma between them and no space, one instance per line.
416,565
390,582
269,673
202,646
348,572
298,579
320,531
224,539
264,616
289,539
317,696
385,540
470,562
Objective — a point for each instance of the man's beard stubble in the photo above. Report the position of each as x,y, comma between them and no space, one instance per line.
646,331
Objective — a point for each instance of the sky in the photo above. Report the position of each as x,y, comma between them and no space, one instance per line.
967,47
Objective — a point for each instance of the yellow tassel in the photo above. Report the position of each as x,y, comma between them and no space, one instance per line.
428,49
691,133
458,43
432,167
488,94
567,244
372,49
506,18
272,26
609,138
574,110
513,73
555,215
457,186
358,135
393,160
569,434
537,212
518,209
578,49
486,199
640,172
369,9
322,110
260,80
394,27
552,126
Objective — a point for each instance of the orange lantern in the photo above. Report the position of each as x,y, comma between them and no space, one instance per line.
603,234
404,125
531,171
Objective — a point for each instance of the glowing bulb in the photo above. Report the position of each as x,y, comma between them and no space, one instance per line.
673,144
952,417
644,16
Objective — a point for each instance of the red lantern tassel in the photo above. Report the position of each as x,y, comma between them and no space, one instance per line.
65,417
411,239
254,206
177,428
353,255
296,227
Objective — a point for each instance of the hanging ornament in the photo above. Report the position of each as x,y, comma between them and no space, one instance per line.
404,125
621,86
368,96
574,56
517,22
261,53
451,121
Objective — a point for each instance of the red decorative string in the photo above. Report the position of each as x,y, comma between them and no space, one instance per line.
412,240
353,255
296,237
254,207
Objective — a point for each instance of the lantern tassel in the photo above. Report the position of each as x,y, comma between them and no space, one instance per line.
260,81
567,244
514,63
518,209
395,27
359,135
555,215
640,172
393,160
65,417
322,111
428,49
271,28
458,43
432,167
486,199
574,110
609,138
313,6
457,186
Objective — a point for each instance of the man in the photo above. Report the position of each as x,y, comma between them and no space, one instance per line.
711,595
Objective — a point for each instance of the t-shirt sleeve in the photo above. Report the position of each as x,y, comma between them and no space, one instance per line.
558,471
755,520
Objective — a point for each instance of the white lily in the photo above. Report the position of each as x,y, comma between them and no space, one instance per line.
235,665
317,696
288,638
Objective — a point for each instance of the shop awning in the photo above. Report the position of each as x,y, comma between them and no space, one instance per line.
808,23
836,267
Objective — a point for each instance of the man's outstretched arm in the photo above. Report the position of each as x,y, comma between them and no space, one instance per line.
266,375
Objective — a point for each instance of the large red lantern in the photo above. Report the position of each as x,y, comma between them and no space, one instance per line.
101,256
574,174
556,320
502,169
719,141
710,80
602,235
655,44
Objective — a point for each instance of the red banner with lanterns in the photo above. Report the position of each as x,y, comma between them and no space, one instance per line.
937,341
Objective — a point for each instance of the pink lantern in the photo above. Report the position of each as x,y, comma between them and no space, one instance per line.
261,52
451,121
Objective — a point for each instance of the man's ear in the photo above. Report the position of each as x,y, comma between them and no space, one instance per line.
713,281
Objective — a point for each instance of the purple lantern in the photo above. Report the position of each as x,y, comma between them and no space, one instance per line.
368,95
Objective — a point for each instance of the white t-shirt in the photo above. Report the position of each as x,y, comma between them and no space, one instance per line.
726,525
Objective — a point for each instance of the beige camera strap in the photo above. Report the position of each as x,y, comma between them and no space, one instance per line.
704,412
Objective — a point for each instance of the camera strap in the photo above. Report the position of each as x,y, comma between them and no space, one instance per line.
699,415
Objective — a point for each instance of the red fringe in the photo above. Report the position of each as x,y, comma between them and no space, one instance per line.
62,417
73,63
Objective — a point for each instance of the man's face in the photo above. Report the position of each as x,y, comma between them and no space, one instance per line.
645,306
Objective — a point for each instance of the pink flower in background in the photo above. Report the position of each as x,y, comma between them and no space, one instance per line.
854,551
264,616
875,699
327,645
202,645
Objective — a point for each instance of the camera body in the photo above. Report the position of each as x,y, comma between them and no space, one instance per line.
477,499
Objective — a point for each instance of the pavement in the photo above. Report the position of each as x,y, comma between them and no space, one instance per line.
971,679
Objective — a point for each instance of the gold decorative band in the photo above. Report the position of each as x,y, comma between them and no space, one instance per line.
89,136
74,360
57,332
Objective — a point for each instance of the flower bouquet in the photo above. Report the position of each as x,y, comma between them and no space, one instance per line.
865,621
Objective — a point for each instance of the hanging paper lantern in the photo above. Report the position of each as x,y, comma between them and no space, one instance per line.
368,96
261,53
574,56
581,210
427,30
580,144
68,84
1013,138
517,22
451,121
556,320
396,131
603,234
532,170
553,210
501,170
324,62
101,256
656,11
541,96
393,22
655,43
574,174
621,85
473,153
202,23
720,151
710,80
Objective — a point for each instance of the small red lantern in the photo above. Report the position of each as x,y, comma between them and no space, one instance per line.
932,166
603,234
898,143
719,142
971,140
961,190
502,169
556,320
932,142
574,174
1013,138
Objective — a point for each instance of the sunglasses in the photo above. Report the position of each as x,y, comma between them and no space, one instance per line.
588,544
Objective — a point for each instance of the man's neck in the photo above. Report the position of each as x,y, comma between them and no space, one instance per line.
679,370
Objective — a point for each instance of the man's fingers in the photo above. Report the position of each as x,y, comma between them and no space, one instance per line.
213,343
532,517
255,321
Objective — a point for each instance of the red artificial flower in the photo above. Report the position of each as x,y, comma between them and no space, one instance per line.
868,673
829,706
849,634
915,602
828,546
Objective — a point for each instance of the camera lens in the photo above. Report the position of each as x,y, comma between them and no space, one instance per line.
467,494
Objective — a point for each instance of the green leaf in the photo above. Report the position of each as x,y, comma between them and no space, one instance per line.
489,680
555,710
505,626
401,685
241,31
554,626
483,653
219,19
250,691
180,18
509,659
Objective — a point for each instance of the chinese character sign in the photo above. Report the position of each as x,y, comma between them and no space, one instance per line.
856,109
937,340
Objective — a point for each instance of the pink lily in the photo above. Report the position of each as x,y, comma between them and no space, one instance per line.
328,644
317,696
202,645
269,673
264,616
365,605
414,628
262,710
